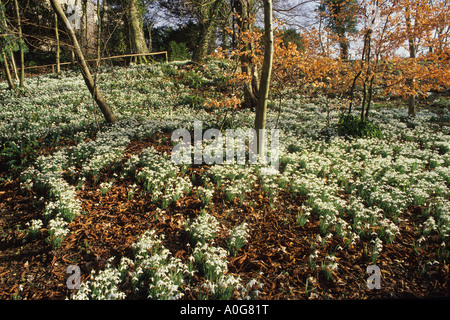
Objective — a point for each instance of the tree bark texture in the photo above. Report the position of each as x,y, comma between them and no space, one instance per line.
22,59
134,19
261,109
246,9
93,89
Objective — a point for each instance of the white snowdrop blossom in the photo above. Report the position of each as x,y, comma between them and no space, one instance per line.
238,237
203,228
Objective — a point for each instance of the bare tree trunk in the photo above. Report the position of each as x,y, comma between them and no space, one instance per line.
149,29
208,27
4,55
150,40
22,60
86,25
245,10
412,106
58,49
320,36
136,30
368,72
201,49
412,98
261,108
8,73
358,74
98,97
99,34
343,44
13,64
412,55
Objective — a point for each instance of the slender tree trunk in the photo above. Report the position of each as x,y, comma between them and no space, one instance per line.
245,10
412,106
79,33
364,100
261,108
358,74
320,36
224,33
368,71
98,97
412,98
13,64
233,24
58,49
99,34
412,55
4,55
343,43
149,29
86,26
22,59
369,101
8,73
375,67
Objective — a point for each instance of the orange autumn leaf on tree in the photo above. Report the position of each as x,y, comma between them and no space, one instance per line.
403,51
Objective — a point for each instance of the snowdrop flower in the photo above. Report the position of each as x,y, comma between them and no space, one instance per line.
203,228
34,227
238,237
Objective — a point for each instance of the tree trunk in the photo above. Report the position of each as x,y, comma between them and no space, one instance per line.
22,60
99,34
13,64
320,36
412,106
98,97
136,29
86,26
208,27
58,49
261,108
4,55
343,43
149,29
412,55
201,50
245,10
358,74
8,73
365,108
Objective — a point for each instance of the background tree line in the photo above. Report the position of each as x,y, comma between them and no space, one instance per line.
350,50
189,29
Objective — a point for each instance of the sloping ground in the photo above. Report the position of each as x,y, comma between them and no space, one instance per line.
277,252
91,193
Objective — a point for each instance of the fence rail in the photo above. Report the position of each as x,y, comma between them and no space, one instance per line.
53,65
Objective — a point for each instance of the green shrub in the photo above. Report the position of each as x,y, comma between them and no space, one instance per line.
178,51
193,100
168,70
353,126
194,79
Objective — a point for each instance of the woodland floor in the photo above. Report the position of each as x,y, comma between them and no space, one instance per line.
276,254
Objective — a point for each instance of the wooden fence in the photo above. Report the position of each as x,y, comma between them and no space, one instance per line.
107,58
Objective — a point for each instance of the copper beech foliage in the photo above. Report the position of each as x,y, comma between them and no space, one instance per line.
401,49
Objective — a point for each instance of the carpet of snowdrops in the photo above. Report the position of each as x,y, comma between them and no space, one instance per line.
346,195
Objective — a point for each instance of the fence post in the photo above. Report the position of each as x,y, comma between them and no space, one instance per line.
72,64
